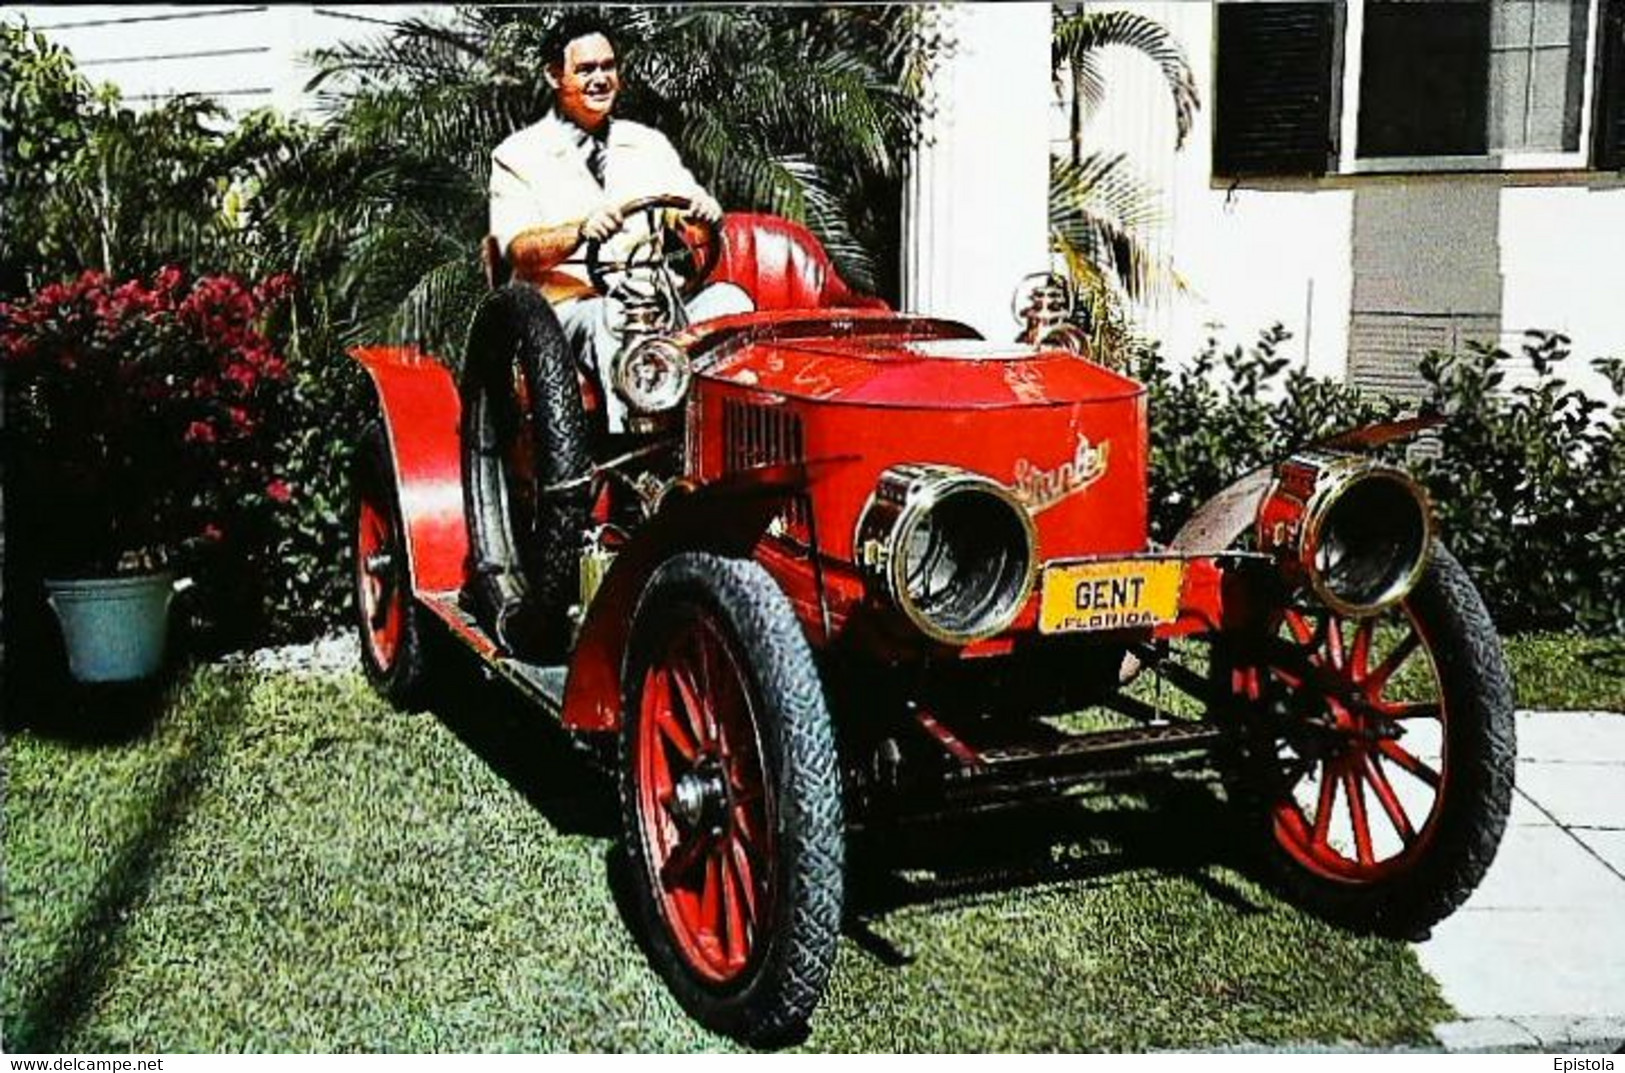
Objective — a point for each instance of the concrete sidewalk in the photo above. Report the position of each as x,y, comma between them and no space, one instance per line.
1536,958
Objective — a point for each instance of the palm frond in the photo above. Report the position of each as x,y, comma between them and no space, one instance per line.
1101,212
1079,37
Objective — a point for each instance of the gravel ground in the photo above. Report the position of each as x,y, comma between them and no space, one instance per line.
338,654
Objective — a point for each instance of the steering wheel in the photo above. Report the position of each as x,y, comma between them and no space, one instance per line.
675,243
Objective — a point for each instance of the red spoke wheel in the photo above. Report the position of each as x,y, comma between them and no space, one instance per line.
731,798
390,624
1378,753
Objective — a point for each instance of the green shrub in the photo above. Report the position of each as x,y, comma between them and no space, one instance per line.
1529,485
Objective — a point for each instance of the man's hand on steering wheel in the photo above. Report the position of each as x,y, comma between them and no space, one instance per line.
682,237
603,222
705,208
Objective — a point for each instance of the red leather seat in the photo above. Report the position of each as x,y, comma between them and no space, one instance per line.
782,265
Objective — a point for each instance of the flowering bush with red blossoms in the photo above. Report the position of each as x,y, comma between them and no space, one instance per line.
140,418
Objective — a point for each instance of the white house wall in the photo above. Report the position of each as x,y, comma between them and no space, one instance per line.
246,56
1562,250
976,199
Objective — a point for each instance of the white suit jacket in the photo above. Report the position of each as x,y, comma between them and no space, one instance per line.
539,176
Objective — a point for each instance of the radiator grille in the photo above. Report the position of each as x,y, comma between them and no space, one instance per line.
755,435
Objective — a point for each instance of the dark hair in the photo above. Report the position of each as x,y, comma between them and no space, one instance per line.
573,25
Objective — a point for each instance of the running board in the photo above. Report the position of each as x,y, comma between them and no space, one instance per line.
541,683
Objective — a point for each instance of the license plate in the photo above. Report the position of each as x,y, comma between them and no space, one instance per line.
1117,595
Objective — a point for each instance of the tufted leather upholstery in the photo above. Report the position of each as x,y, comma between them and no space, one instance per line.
782,266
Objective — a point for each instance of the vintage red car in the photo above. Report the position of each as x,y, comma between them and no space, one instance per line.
849,562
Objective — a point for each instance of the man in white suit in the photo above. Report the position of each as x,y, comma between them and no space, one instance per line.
558,185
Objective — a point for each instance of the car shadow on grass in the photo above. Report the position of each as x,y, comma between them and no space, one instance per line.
525,746
1181,829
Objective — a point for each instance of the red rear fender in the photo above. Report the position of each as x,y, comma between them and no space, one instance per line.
422,414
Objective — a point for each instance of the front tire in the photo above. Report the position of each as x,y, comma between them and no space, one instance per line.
731,799
1376,757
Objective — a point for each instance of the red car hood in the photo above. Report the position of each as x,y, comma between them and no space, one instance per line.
909,371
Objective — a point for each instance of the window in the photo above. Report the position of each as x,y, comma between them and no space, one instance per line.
1443,85
1355,86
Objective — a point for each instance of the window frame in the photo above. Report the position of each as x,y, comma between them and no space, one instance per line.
1517,160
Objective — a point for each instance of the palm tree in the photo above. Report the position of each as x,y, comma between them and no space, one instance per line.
1100,211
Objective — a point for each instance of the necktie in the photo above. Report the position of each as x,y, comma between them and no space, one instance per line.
596,151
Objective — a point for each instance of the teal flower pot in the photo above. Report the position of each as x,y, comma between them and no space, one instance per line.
114,628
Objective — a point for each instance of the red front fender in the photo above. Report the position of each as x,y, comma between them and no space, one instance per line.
1221,521
726,517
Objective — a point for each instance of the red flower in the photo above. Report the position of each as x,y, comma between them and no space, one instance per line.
200,432
279,491
213,533
276,288
169,278
242,375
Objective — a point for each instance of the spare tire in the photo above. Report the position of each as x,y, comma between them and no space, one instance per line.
525,448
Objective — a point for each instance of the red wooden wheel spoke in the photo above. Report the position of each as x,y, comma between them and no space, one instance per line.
1323,805
736,936
1300,627
687,855
672,729
1378,679
705,681
739,857
1352,789
1334,642
711,898
1360,656
1389,800
659,768
693,703
1412,709
1398,754
745,824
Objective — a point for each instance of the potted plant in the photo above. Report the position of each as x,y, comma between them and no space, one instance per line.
137,419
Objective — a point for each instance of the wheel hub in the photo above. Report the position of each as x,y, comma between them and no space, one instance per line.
700,797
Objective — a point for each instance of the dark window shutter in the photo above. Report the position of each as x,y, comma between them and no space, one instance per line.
1608,141
1276,88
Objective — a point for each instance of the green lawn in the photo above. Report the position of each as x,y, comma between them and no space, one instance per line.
273,863
1568,672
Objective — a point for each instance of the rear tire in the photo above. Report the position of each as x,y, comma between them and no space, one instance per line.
524,434
731,799
1380,784
390,623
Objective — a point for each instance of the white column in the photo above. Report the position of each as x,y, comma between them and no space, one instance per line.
976,203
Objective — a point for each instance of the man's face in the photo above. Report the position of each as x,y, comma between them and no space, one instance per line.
587,82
